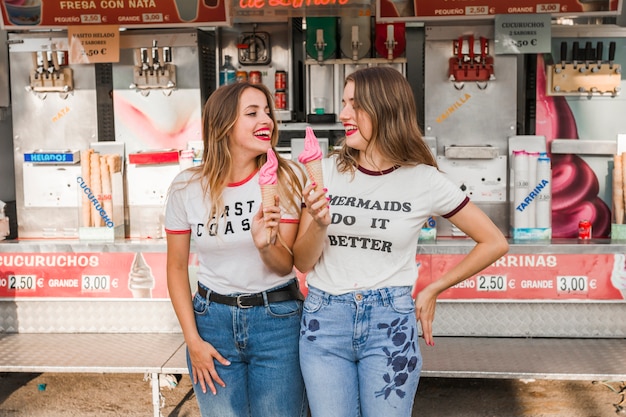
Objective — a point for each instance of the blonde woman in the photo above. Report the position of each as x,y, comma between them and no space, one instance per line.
241,327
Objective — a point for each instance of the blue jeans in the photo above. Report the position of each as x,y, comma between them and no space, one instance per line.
359,353
264,378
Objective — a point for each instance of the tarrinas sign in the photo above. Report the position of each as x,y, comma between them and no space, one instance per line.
406,10
36,14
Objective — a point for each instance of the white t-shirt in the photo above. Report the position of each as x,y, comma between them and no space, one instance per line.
375,224
229,262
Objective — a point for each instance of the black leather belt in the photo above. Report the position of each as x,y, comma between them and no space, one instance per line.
290,292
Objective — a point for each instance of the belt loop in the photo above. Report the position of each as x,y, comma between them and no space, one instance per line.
385,296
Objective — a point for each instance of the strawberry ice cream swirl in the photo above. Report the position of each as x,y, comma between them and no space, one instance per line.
312,150
267,173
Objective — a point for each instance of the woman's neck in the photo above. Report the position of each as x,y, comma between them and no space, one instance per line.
240,170
374,161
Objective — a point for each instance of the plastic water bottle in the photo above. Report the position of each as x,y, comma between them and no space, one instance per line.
227,72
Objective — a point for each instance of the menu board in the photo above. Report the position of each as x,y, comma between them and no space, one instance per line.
41,14
390,10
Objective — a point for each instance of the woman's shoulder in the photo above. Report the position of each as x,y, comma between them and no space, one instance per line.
422,169
186,177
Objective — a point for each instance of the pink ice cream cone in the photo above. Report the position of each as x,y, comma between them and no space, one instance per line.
268,180
311,157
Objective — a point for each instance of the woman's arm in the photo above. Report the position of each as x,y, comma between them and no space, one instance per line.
490,245
312,235
277,253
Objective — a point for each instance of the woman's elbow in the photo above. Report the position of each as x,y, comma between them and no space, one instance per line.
501,246
303,267
303,261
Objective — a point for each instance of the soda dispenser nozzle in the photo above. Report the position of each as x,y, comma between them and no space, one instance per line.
320,44
390,43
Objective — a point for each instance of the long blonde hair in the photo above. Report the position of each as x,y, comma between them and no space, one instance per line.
219,117
385,95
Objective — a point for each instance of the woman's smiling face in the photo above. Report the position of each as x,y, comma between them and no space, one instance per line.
357,123
252,131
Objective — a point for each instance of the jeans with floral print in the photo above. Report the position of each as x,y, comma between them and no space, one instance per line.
359,353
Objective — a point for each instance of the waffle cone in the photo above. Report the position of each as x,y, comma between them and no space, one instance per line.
314,171
268,192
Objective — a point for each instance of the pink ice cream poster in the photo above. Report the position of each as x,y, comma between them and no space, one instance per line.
581,184
157,121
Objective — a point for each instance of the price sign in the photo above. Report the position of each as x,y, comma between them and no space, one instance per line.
530,277
572,283
491,283
476,10
22,282
93,44
549,8
523,33
95,283
90,18
152,17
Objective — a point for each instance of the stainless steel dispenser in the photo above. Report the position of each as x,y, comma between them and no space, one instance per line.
54,114
157,103
470,112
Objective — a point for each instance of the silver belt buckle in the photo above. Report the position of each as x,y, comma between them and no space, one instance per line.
239,301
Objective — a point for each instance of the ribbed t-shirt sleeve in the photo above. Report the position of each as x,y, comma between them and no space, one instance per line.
447,197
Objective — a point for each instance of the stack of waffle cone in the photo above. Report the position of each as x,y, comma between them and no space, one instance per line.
268,193
314,171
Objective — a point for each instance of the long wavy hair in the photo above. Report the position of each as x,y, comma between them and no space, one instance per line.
385,95
220,114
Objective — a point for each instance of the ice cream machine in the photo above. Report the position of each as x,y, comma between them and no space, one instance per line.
54,118
157,106
470,113
154,99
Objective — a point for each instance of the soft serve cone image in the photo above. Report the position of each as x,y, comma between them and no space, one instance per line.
618,276
140,278
311,157
594,5
268,180
187,9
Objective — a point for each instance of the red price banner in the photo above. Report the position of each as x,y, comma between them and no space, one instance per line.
31,14
83,275
446,9
533,277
